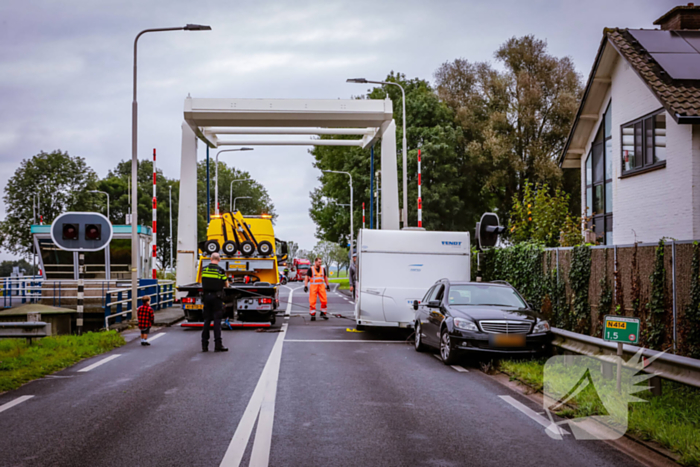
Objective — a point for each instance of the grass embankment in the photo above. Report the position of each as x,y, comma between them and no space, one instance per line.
672,419
341,278
21,362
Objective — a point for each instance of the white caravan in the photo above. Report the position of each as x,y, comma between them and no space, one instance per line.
396,267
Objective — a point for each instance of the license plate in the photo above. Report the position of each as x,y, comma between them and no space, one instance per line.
507,340
194,307
264,307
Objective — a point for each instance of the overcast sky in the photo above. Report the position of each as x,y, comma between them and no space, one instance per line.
66,82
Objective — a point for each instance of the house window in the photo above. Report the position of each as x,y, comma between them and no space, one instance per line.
599,198
644,142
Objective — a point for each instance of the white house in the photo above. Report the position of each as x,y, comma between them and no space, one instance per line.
636,135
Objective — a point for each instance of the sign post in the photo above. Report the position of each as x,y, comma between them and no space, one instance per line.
622,330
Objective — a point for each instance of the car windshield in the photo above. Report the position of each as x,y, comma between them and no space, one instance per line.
303,266
484,295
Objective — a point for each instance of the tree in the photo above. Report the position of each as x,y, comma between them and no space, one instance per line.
325,251
292,249
543,216
447,189
339,256
516,120
6,268
61,183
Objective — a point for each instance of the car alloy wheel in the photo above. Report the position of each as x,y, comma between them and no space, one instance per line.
419,346
446,354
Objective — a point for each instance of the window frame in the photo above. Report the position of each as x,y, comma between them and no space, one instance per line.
605,217
624,173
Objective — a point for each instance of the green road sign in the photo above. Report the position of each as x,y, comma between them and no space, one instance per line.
621,329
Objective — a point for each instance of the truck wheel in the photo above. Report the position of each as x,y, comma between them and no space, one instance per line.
265,248
247,248
230,248
212,246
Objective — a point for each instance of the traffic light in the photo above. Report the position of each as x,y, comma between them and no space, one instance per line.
66,229
70,231
93,232
488,230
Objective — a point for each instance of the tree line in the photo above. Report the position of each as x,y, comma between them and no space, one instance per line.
49,184
485,133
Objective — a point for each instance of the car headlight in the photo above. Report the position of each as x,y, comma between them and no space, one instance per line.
466,324
542,326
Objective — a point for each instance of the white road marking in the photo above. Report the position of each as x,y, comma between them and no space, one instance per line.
160,334
101,362
289,301
460,369
437,356
12,403
344,340
239,442
534,415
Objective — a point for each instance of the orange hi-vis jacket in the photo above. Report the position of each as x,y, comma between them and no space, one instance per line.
317,289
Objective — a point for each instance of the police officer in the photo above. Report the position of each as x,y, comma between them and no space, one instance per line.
213,281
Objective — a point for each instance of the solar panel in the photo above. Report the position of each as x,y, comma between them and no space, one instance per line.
679,66
691,37
661,41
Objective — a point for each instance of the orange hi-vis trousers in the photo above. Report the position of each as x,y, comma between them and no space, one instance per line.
320,291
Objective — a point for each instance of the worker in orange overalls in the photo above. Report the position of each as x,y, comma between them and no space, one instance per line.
318,278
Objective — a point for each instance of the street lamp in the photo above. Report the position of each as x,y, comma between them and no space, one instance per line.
239,197
404,156
134,166
352,225
170,211
230,190
104,193
216,176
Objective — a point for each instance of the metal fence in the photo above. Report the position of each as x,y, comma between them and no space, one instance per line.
677,265
118,301
57,293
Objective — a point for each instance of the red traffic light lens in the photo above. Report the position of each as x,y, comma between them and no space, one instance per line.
70,231
93,232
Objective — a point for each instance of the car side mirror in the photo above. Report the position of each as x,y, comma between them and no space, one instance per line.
434,303
530,305
415,304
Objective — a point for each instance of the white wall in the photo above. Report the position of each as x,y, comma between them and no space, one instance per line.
656,204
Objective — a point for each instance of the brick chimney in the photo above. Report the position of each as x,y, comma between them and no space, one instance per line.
681,17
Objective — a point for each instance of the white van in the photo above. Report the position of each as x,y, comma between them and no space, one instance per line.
396,267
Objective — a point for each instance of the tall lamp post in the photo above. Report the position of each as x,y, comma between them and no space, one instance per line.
216,176
239,197
134,166
170,211
404,156
352,208
230,191
107,195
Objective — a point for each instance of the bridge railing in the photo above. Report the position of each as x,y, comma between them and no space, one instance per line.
118,301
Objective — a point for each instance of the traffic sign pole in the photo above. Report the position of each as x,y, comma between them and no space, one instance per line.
619,366
81,292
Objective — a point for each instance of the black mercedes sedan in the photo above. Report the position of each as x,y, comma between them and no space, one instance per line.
479,317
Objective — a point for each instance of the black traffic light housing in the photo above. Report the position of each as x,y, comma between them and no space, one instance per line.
81,231
488,230
70,231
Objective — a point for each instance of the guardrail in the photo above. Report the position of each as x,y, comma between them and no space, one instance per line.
18,291
666,366
162,294
25,330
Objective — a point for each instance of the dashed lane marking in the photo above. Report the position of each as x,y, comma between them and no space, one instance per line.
345,340
535,416
12,403
460,369
101,362
160,334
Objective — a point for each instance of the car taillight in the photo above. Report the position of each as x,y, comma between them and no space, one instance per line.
188,300
264,301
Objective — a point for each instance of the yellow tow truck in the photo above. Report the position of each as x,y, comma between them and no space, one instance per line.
250,255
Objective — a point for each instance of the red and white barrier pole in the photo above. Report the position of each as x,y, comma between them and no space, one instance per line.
363,215
154,215
420,201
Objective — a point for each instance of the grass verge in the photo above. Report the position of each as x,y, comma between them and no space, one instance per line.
344,283
21,362
672,419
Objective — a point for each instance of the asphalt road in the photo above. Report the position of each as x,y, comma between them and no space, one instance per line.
312,394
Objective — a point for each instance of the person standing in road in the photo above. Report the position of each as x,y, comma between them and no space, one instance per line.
146,318
317,276
213,282
352,276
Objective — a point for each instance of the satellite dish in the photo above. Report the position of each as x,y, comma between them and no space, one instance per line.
487,230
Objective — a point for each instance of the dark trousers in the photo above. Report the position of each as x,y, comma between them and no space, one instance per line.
213,311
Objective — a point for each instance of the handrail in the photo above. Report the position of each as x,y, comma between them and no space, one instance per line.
683,370
164,294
